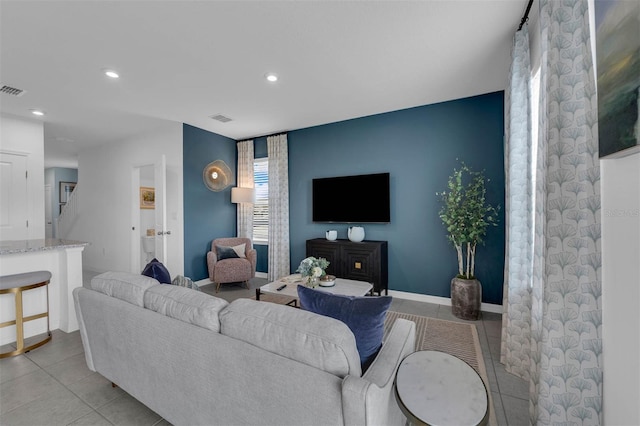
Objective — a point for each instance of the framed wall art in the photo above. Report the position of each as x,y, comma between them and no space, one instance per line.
618,59
147,197
66,188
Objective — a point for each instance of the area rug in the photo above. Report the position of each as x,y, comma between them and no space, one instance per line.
455,338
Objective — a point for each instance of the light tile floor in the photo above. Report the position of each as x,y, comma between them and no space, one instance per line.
52,385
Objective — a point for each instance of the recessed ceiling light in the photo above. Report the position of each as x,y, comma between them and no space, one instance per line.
37,112
111,73
271,77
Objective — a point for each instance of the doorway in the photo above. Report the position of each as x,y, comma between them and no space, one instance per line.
48,212
14,195
148,211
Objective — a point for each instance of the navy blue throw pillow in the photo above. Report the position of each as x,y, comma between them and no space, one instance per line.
226,252
155,269
363,315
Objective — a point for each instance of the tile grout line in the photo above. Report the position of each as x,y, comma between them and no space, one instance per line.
503,412
43,369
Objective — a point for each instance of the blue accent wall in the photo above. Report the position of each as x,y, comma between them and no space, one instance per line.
262,254
207,214
419,147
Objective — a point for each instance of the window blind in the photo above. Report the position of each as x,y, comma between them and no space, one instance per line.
261,205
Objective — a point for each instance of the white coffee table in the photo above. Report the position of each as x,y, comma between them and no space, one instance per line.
436,388
291,282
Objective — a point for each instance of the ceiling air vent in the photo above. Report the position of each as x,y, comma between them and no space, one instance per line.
11,90
221,118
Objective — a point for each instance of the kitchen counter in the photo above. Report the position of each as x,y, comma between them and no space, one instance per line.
63,258
28,246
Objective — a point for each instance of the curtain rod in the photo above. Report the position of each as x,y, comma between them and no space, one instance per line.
525,18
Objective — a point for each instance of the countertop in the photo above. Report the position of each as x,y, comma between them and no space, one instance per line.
32,246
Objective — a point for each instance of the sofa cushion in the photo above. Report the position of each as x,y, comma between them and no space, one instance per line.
186,305
124,286
155,269
363,315
186,282
314,340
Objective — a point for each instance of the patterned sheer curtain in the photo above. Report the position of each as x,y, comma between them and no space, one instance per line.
565,354
279,262
516,322
245,180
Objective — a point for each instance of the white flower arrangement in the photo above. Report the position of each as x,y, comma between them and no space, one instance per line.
313,268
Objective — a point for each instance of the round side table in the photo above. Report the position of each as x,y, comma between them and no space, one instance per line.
435,388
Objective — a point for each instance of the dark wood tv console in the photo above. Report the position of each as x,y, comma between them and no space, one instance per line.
364,261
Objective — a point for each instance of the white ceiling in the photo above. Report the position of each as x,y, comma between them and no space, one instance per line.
186,60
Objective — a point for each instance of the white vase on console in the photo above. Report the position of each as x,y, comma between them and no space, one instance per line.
356,233
331,235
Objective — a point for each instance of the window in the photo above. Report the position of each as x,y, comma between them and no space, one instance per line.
261,204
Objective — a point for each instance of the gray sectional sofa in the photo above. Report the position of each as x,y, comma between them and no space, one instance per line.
197,360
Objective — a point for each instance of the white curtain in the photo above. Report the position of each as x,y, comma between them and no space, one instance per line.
245,180
555,333
516,322
279,263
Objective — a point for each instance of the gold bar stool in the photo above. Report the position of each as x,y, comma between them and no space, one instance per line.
16,284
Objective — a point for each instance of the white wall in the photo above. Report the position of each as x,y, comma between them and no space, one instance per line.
20,136
621,289
105,183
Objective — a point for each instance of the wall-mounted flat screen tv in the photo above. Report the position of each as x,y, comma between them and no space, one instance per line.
352,199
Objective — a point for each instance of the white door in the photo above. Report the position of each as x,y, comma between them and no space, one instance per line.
13,197
162,233
48,213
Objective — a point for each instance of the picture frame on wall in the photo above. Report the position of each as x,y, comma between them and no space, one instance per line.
147,197
618,63
66,188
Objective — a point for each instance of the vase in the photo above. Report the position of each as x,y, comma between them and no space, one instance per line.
466,296
312,282
331,235
356,233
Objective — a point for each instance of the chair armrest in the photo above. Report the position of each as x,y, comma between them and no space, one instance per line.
252,256
212,258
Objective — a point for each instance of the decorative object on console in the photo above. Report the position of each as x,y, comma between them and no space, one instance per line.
331,235
155,269
466,215
216,175
327,281
312,269
356,233
363,315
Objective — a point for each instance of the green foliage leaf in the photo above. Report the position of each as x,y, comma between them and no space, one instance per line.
465,212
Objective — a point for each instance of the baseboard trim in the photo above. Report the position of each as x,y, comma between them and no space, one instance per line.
446,301
261,275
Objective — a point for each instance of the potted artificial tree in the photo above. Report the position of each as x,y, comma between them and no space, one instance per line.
466,215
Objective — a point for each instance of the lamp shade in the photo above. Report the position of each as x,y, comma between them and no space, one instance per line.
242,195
